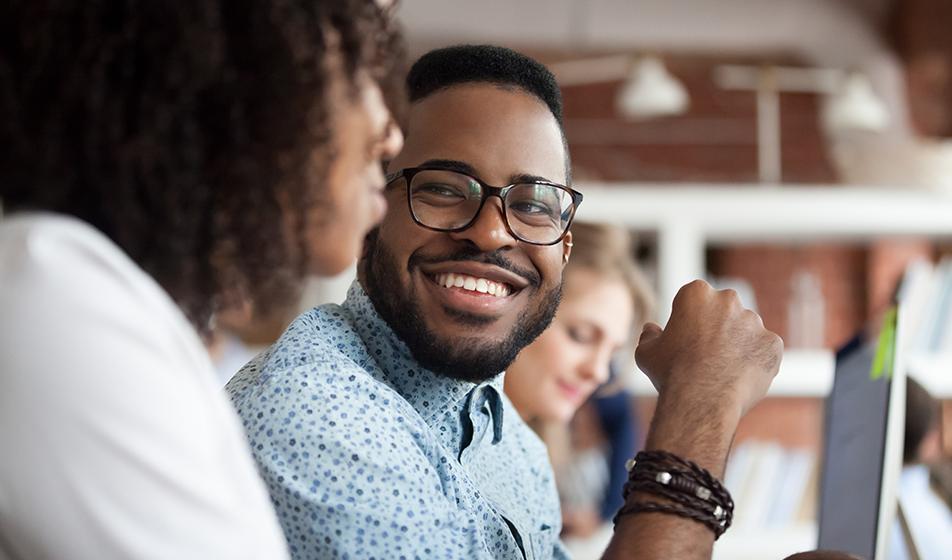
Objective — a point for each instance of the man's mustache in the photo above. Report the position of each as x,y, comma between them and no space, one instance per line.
494,258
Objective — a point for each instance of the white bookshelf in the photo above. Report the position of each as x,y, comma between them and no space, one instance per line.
770,543
809,373
803,373
934,371
766,543
689,218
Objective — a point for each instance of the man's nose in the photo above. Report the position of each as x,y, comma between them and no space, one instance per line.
488,232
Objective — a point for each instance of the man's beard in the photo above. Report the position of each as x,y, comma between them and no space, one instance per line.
463,358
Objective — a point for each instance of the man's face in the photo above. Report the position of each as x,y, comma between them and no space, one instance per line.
499,136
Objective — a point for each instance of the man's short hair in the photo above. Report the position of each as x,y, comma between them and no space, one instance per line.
462,64
488,64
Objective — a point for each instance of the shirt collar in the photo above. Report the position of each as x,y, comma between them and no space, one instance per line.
439,399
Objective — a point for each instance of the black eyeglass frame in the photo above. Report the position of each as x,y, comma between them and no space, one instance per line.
487,191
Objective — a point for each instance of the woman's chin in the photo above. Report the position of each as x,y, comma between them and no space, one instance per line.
560,412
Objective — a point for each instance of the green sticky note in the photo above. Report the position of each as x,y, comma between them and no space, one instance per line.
886,347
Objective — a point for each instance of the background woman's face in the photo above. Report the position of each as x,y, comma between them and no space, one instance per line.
554,375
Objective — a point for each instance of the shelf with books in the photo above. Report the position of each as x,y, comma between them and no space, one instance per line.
803,373
689,218
809,373
766,543
934,371
926,292
686,220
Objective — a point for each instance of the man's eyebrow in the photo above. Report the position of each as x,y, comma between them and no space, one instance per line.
526,178
450,165
463,167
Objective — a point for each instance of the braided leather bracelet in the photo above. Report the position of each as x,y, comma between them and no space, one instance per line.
692,491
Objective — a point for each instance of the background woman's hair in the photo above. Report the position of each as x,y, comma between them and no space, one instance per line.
922,417
940,478
607,251
176,128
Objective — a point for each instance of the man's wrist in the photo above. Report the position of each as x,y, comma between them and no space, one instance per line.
697,426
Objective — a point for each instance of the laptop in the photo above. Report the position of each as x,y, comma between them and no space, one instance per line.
862,459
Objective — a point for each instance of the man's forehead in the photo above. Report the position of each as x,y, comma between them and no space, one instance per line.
499,132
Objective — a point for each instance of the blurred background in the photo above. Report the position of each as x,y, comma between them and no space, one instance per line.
797,151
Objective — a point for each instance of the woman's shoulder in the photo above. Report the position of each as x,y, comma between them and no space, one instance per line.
45,255
69,293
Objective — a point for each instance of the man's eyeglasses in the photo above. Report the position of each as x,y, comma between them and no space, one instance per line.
442,200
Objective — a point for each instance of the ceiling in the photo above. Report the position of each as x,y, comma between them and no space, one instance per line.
831,32
844,34
901,45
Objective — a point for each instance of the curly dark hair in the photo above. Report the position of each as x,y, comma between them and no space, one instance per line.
181,129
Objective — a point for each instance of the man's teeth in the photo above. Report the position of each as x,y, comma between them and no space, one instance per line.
473,284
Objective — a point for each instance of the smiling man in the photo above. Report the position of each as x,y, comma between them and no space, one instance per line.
380,425
465,273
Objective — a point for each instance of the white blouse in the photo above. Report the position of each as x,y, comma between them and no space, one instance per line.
116,441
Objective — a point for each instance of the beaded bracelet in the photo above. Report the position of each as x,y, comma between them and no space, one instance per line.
692,491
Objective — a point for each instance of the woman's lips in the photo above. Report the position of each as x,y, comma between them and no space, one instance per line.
572,392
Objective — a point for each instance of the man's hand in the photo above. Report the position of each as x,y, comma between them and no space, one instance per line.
713,350
711,364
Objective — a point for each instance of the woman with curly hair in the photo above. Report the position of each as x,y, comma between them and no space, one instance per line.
162,162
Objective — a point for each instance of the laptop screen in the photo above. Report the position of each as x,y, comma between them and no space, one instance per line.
862,452
854,448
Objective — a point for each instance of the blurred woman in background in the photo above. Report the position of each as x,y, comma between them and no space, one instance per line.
922,497
605,301
161,162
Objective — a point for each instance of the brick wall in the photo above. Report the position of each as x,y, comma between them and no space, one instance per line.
715,141
840,269
920,32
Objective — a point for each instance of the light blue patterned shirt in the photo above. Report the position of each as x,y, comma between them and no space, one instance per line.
368,455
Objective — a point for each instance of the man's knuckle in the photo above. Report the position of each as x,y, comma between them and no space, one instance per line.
775,341
729,293
751,317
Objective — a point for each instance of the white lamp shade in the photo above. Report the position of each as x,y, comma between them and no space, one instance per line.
651,91
855,107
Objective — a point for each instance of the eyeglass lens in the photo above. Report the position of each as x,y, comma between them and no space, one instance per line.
537,213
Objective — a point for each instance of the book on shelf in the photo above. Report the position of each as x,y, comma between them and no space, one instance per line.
761,488
919,282
926,294
770,484
792,487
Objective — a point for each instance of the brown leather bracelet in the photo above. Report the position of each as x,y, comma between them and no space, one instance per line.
658,507
690,490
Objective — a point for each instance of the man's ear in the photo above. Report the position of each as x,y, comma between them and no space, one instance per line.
566,248
370,242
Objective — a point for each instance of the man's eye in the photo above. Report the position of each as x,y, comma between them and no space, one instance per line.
532,207
435,189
